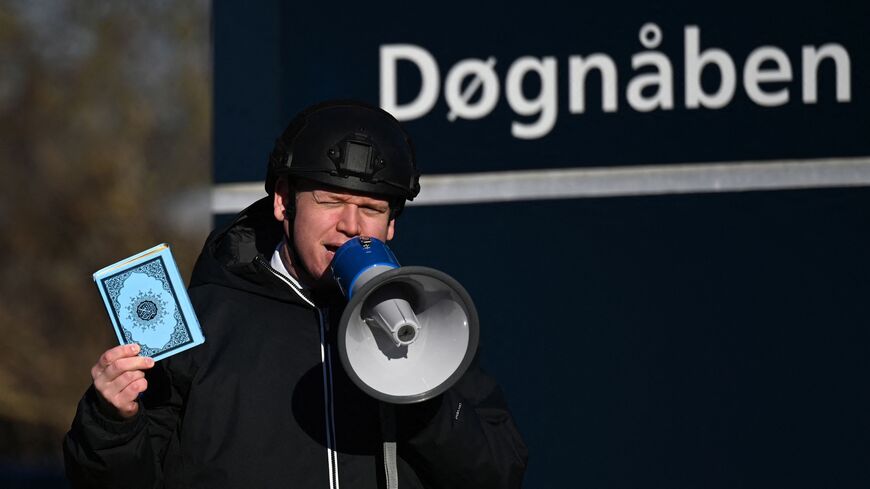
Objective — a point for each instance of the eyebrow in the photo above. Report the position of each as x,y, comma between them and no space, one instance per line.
367,201
326,194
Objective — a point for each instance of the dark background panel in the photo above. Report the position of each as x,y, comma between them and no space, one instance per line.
274,60
681,341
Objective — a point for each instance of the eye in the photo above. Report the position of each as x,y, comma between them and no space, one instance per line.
374,210
326,200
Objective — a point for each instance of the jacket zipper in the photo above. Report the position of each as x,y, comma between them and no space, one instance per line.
326,362
326,357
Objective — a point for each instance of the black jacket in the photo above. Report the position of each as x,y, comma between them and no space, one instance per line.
265,401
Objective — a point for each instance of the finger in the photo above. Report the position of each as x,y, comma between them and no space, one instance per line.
124,380
126,364
126,400
118,390
109,356
128,393
109,388
121,351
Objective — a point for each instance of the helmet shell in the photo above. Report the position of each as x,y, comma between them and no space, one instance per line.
349,145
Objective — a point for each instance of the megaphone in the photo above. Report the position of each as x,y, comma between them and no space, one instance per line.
407,333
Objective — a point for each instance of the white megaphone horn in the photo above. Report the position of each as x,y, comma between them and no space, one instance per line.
407,333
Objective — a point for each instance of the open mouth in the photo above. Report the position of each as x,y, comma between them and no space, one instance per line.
330,250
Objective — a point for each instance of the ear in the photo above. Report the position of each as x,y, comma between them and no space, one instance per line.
391,229
281,199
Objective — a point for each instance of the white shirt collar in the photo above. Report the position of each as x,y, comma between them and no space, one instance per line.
278,264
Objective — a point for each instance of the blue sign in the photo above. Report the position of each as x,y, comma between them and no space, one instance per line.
693,335
529,87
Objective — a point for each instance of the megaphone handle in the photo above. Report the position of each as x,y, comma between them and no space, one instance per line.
388,435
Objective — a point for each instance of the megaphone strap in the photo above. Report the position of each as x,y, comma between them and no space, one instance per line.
390,467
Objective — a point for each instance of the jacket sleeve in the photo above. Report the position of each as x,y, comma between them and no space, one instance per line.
465,438
101,451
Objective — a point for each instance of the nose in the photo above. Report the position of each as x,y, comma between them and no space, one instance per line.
348,222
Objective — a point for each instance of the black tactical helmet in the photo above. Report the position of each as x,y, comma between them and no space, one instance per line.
350,145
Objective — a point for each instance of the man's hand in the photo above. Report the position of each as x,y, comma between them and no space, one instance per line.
119,378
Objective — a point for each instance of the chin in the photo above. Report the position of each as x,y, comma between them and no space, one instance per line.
321,273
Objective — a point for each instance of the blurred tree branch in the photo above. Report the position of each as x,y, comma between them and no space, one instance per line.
105,120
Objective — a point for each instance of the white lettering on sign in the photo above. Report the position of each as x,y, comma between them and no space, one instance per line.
472,88
428,67
482,77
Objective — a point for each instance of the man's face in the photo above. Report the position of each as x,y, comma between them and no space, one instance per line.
325,219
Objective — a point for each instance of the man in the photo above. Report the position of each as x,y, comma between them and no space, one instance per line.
264,402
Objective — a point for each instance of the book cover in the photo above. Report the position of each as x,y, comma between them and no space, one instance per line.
148,304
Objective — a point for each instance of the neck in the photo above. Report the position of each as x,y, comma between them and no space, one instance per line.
287,259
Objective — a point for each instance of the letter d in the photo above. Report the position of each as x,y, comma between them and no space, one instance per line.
425,100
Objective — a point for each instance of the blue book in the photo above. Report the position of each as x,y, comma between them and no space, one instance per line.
148,303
